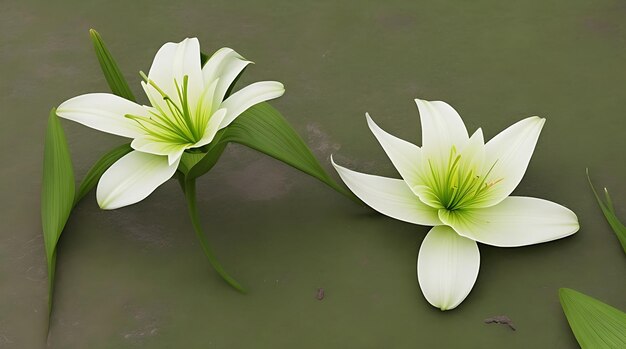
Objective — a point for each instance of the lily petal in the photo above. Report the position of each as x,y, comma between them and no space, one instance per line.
211,128
516,221
248,96
206,105
511,151
442,128
427,196
132,178
175,61
104,112
447,267
405,156
225,64
153,145
473,153
391,197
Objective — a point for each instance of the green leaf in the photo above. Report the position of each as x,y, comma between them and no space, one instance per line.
596,325
96,171
609,213
264,129
57,194
190,195
111,72
207,161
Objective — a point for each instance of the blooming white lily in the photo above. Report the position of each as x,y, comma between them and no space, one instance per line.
461,186
187,109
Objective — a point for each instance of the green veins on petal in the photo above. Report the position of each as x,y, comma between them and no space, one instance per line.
176,124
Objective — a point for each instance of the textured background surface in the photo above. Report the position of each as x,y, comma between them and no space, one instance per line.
136,277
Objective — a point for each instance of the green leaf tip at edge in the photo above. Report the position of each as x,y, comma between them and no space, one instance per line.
57,193
609,213
111,71
595,325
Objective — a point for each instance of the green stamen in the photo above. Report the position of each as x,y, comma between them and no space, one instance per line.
455,185
175,123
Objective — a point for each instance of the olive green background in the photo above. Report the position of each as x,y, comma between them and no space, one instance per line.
136,278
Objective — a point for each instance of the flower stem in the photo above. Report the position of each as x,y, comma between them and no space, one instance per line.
190,195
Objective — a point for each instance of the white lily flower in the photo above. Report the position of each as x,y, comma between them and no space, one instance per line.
187,109
461,186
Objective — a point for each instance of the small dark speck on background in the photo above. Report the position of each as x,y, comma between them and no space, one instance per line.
320,294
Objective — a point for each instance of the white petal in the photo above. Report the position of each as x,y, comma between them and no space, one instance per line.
511,151
427,195
104,112
132,178
391,197
405,156
225,65
173,62
156,146
447,267
516,221
248,96
442,128
211,128
206,105
473,153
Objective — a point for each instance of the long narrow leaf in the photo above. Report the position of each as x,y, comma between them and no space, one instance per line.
93,176
264,129
596,325
111,72
609,213
57,194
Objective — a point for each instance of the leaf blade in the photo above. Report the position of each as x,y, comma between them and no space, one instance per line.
596,325
109,67
264,129
609,213
57,195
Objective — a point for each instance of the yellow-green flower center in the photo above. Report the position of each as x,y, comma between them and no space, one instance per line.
173,121
458,182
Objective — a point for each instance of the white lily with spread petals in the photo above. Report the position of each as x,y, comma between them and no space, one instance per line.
188,107
461,186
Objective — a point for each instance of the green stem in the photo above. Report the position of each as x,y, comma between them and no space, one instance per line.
190,195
